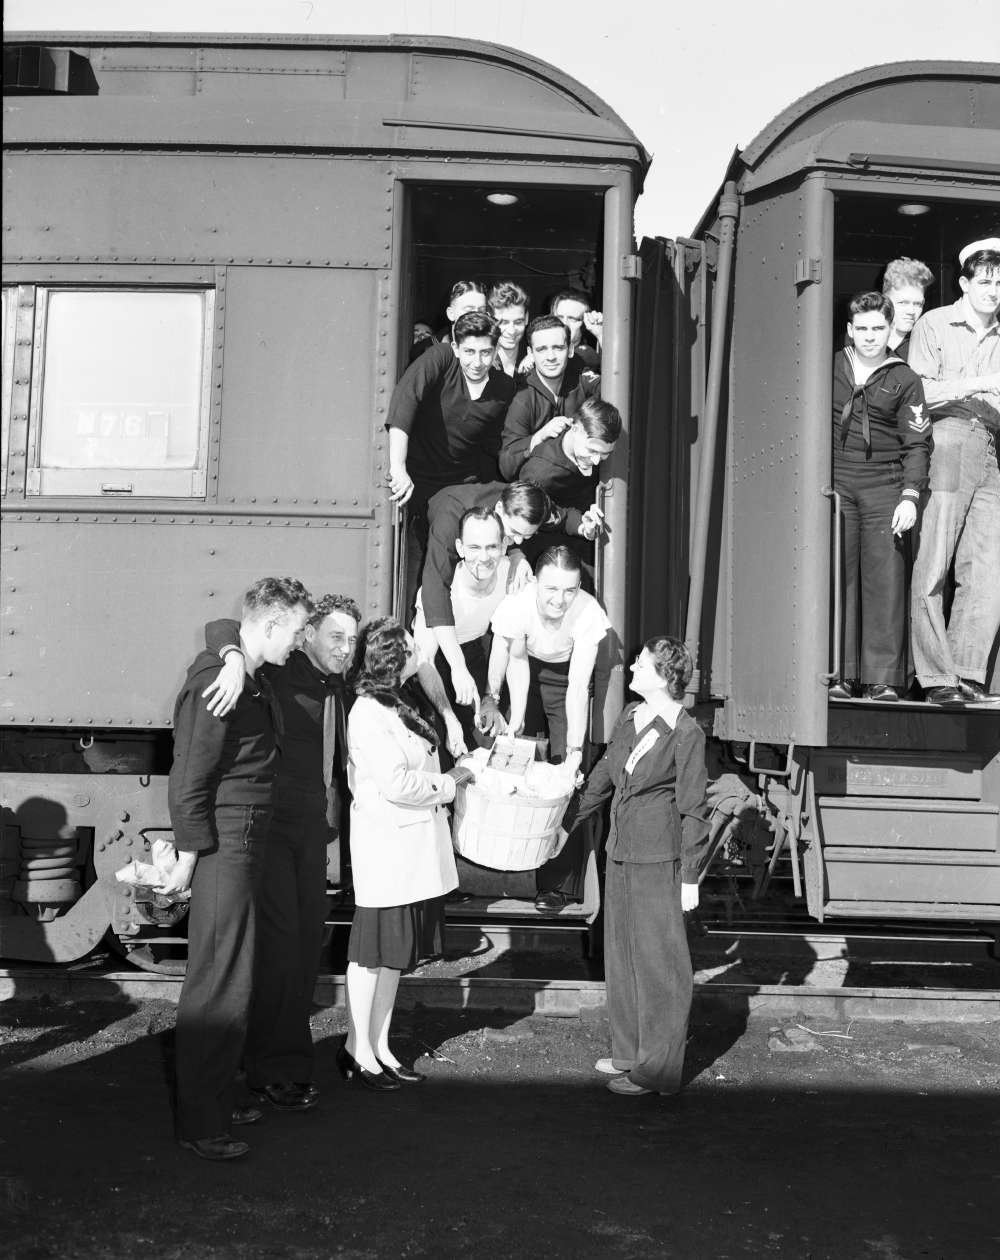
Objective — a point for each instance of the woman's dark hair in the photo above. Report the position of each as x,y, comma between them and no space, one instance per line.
600,420
526,500
672,662
561,557
381,658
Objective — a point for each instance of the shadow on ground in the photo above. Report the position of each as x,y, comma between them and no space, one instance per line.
512,1148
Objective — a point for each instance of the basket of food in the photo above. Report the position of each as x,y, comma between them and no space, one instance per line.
509,818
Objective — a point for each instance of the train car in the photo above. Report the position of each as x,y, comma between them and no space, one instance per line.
214,256
879,811
215,250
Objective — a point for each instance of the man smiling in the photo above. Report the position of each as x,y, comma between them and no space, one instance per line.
552,391
311,785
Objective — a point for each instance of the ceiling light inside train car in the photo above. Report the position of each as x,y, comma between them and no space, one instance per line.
913,209
502,198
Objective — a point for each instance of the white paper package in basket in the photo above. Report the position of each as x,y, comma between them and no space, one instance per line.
511,822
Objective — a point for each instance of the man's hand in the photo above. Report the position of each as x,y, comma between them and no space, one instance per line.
592,523
400,485
572,763
904,517
454,735
689,897
593,321
227,688
179,879
490,720
551,428
526,364
464,685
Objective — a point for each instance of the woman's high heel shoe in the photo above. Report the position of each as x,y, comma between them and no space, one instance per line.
351,1070
405,1075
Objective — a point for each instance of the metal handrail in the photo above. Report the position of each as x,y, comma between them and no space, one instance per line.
838,592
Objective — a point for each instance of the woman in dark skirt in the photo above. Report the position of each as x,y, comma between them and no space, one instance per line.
654,768
401,852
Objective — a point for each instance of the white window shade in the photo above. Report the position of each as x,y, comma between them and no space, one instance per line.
122,405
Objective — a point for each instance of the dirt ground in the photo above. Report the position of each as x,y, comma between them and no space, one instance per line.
878,1143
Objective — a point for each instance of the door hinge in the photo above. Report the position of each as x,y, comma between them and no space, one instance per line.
631,268
808,271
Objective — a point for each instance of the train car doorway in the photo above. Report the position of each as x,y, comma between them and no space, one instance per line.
542,239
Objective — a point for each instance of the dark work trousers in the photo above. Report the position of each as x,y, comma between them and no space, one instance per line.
214,1005
476,653
416,552
874,573
545,716
647,967
291,912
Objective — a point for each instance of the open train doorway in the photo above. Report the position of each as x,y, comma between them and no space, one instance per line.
542,238
870,231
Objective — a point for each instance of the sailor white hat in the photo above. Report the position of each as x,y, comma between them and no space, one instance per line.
990,242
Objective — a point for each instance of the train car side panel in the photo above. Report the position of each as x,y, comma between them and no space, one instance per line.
99,635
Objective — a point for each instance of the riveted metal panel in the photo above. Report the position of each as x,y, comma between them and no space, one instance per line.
100,620
196,208
436,80
779,462
298,387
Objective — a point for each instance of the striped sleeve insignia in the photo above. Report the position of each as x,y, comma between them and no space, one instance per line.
918,421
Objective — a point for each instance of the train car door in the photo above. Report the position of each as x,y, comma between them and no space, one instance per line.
778,470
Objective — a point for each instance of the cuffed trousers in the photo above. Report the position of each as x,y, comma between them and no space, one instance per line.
291,912
545,715
648,972
214,1005
875,567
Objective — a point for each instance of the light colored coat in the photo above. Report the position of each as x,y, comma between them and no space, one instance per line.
400,838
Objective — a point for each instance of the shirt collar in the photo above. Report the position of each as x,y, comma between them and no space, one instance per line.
961,314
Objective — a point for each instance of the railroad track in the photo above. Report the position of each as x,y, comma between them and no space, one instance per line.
875,971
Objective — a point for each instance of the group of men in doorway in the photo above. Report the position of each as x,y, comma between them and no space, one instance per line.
916,412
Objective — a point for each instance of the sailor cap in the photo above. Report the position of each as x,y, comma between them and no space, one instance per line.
991,243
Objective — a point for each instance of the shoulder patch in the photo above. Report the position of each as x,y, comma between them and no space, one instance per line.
918,421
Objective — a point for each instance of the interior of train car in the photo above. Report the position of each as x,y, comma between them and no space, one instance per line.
869,231
543,239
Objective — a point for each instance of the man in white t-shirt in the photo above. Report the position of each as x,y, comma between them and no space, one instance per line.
482,579
545,643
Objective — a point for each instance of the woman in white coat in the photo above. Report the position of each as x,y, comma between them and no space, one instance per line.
401,851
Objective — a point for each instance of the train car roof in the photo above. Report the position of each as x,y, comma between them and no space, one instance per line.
955,105
510,93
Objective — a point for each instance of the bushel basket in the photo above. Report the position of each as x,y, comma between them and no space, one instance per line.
506,832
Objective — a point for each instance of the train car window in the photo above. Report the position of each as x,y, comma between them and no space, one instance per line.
121,401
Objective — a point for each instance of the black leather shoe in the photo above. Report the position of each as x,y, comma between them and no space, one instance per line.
286,1097
352,1072
216,1148
881,691
944,695
405,1075
246,1115
976,693
554,901
841,690
308,1088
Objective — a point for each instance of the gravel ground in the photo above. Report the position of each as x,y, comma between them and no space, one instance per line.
879,1142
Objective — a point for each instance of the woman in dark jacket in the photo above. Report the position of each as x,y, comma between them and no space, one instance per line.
654,771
